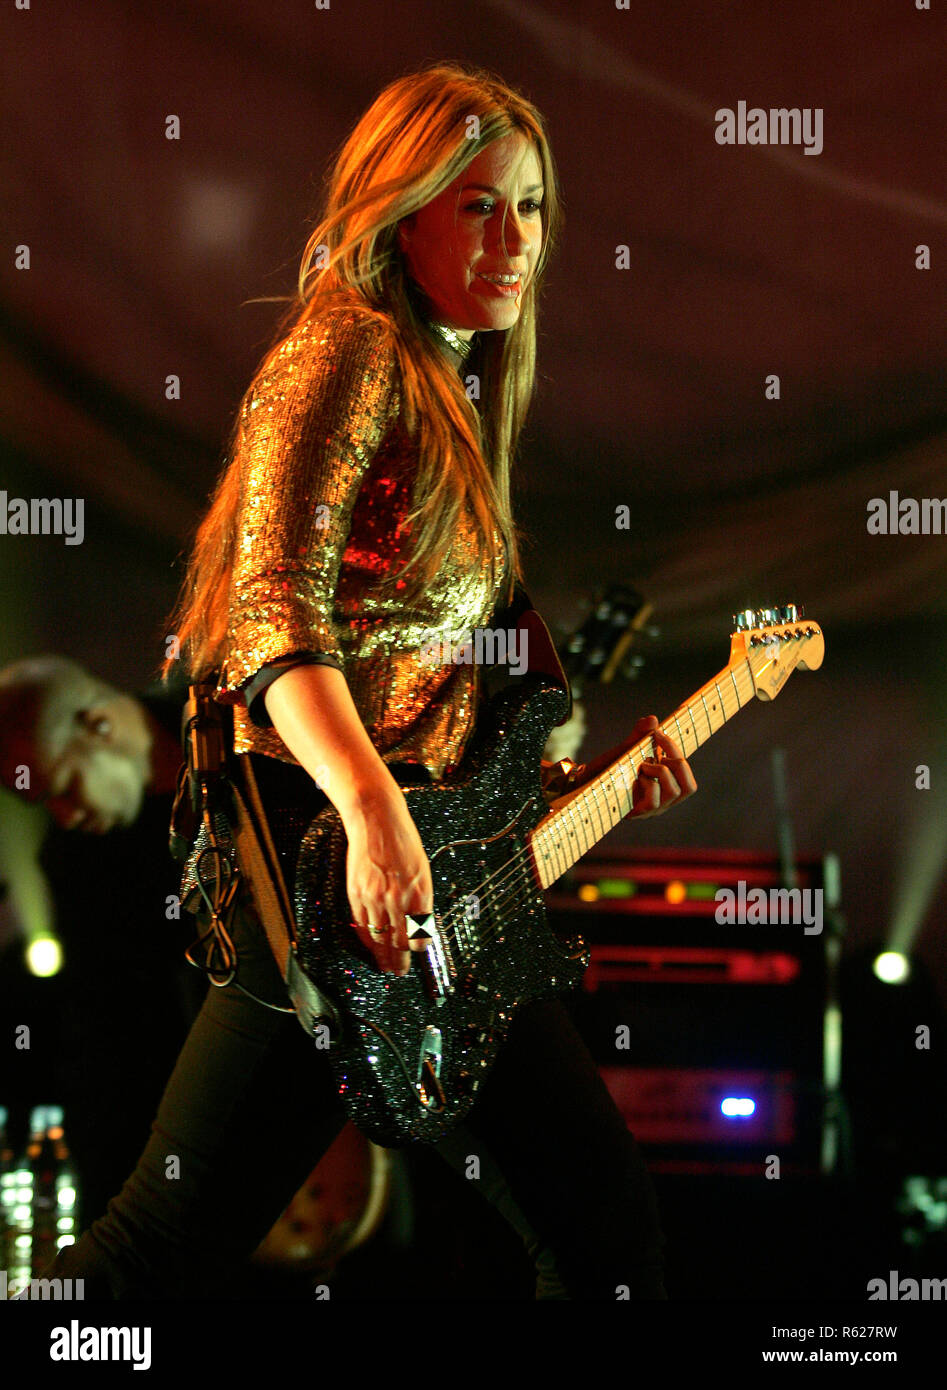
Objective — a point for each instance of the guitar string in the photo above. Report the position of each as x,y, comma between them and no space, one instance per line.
516,877
516,880
517,885
513,868
518,865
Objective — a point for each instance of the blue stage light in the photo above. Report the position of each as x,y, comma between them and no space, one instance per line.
737,1107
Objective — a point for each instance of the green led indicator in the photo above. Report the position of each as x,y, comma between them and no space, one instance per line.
616,888
702,891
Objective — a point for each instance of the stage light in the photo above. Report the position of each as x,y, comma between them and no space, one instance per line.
616,888
737,1107
44,956
892,967
922,858
676,891
702,892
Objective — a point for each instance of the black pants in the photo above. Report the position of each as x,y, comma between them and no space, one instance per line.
250,1108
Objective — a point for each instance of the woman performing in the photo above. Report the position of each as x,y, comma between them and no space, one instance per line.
365,504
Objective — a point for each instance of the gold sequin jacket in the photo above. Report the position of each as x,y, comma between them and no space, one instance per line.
326,470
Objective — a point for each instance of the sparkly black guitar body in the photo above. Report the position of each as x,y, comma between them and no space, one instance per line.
412,1051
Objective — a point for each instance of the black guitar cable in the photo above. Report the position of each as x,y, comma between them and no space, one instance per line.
205,745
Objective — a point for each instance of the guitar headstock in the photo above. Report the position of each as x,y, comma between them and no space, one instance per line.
773,642
601,648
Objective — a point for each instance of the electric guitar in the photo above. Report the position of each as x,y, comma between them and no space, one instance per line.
410,1053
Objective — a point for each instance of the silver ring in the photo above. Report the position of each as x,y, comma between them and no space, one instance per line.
378,931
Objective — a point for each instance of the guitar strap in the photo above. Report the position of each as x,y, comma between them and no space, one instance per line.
256,855
216,781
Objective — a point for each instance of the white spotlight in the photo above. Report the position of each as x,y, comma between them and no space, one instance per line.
892,967
44,956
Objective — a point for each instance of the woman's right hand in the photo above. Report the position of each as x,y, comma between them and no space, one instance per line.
387,876
387,870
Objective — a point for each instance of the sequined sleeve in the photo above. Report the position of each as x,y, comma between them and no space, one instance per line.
309,429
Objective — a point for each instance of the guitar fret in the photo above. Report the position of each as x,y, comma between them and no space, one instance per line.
598,811
609,793
618,810
680,737
589,815
602,804
710,726
570,833
592,808
559,848
687,740
580,823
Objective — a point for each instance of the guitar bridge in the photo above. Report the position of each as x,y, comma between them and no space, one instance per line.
429,1069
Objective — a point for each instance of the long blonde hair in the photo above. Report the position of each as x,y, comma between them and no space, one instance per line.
411,143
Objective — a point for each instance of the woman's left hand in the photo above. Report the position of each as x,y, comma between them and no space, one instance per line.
660,784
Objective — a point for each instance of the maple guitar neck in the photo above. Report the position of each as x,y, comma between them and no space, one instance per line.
762,658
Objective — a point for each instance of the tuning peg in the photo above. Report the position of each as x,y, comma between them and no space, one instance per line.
789,613
765,617
744,620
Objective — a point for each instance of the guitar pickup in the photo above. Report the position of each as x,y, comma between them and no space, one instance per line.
437,967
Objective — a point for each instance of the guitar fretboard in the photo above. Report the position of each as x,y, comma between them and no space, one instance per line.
565,835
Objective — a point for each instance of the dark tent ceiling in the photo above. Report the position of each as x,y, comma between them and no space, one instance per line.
744,262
